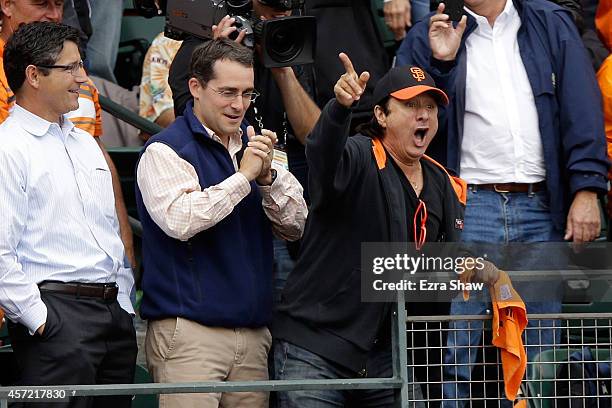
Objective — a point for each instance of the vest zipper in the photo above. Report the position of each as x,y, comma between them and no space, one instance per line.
192,269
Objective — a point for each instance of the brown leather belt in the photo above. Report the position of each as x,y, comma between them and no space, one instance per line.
105,291
510,187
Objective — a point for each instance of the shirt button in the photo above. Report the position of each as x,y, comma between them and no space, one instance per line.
363,372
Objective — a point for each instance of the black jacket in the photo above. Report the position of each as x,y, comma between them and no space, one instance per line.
355,198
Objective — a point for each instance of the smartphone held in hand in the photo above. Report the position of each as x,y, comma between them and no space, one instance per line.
454,9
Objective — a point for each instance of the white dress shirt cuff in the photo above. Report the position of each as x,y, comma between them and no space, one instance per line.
125,281
125,303
34,317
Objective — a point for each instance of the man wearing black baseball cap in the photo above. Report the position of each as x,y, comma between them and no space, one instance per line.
406,82
367,188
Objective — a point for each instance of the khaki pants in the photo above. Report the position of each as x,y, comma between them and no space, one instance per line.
179,350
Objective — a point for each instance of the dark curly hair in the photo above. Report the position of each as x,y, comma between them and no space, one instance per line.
37,43
372,128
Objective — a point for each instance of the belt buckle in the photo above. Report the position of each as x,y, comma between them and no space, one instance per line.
106,293
498,190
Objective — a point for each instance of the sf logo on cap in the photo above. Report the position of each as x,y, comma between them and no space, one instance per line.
418,74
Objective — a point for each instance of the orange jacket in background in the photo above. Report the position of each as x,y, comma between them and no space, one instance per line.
88,116
603,21
7,98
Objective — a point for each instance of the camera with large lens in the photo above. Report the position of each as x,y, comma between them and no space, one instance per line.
284,41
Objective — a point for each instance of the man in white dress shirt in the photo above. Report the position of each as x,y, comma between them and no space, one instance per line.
64,286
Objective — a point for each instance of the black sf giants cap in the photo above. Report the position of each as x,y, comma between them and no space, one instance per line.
406,82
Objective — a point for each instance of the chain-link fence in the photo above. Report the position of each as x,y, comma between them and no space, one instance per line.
454,365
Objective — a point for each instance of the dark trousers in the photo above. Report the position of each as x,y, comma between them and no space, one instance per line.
85,341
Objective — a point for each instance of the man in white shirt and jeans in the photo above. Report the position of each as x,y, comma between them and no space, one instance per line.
64,286
525,130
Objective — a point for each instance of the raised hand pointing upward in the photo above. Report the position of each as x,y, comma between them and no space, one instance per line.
350,86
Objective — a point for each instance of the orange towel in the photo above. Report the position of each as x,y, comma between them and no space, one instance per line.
509,322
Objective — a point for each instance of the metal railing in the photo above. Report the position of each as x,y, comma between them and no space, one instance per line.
398,382
420,370
128,116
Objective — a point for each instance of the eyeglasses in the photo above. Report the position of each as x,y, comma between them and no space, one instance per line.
422,211
73,68
228,95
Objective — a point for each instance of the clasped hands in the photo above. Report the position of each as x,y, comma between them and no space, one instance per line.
256,163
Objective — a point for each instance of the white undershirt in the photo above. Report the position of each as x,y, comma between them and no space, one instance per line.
501,138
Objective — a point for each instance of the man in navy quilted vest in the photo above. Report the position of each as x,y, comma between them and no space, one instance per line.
209,197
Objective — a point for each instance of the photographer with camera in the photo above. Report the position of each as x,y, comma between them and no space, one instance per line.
286,102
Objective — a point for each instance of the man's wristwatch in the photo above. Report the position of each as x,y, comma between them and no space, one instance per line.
274,174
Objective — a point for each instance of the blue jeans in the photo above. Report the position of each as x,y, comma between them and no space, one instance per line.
295,363
420,8
106,17
497,218
283,265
